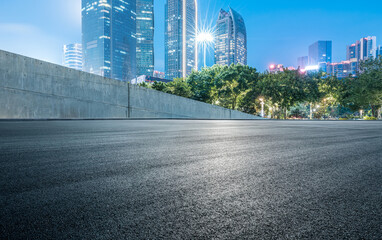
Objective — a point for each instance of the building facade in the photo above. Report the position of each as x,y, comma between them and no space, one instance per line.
342,69
320,53
181,28
362,49
72,56
302,62
230,39
379,51
109,38
145,37
159,74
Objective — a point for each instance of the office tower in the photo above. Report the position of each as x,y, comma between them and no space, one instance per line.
302,62
368,48
379,51
230,39
320,53
72,56
181,54
362,49
145,37
352,51
108,38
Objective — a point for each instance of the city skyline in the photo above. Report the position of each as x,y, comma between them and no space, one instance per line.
29,35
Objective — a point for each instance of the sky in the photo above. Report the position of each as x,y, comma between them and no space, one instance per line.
278,31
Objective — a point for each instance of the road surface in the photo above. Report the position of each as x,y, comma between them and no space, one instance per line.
174,179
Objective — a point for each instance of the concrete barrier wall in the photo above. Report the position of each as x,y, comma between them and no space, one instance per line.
33,89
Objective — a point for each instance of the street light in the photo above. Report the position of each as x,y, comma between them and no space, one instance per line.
205,38
262,107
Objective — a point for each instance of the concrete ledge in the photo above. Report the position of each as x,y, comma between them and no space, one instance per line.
33,89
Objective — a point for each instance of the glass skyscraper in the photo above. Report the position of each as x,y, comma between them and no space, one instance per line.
180,37
72,56
320,53
108,38
302,62
362,49
145,37
230,39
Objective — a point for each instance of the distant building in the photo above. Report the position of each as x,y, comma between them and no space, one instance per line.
148,79
320,53
343,69
379,51
108,38
159,74
180,37
362,49
145,37
302,62
72,56
230,39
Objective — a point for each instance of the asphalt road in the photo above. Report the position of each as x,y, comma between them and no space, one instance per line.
190,180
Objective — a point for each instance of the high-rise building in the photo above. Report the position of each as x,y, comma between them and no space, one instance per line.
379,51
72,56
320,53
302,62
145,37
230,39
180,37
108,38
362,49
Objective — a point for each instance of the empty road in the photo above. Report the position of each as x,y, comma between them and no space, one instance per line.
175,179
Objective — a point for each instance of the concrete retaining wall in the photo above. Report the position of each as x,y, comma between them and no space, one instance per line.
33,89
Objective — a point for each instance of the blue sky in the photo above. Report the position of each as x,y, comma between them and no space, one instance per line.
278,31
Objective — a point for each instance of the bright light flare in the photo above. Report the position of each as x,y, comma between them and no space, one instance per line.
313,67
205,37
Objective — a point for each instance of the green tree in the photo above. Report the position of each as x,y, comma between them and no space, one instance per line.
232,84
284,89
364,91
179,87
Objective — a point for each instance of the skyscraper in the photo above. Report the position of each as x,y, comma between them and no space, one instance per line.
320,53
180,34
108,38
362,49
230,39
302,62
145,37
379,51
72,56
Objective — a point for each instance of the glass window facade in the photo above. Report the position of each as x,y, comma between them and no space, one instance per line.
72,57
320,53
145,37
109,38
180,33
230,39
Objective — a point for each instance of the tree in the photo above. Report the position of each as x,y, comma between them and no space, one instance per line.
179,87
159,86
364,91
284,89
203,84
233,82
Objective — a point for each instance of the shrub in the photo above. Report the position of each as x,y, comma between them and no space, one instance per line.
367,118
